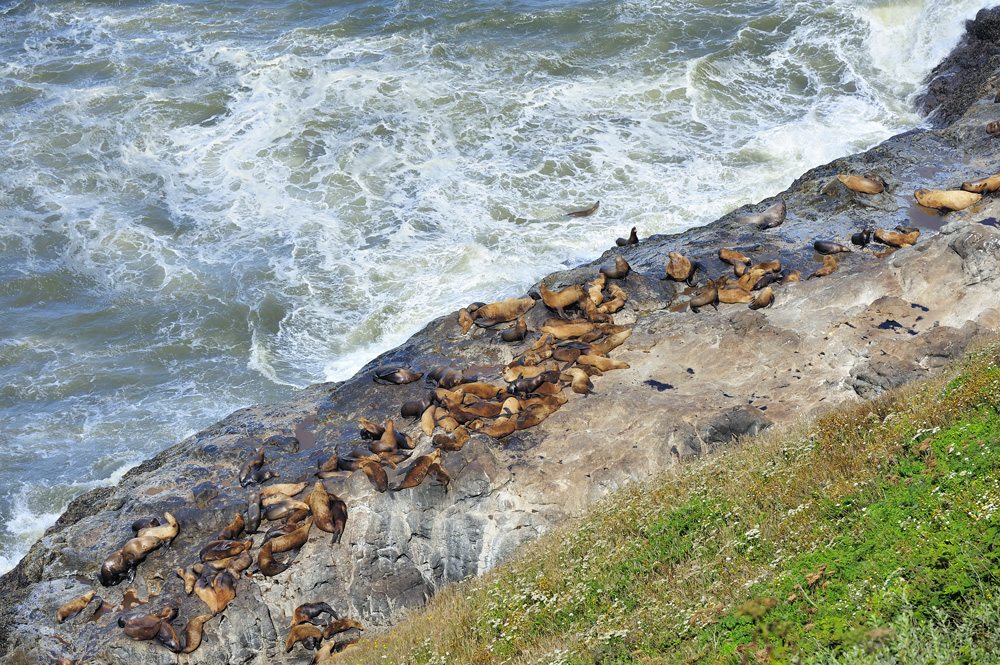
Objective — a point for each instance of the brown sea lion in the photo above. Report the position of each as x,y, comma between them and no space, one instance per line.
610,343
259,476
189,578
558,300
750,278
252,522
704,295
862,184
895,238
143,627
586,212
194,631
731,256
75,606
437,473
617,301
376,474
764,299
735,295
288,489
633,239
941,199
500,428
862,238
301,633
221,549
415,475
241,562
829,265
465,320
680,268
395,375
579,380
340,626
620,271
517,333
828,247
503,311
143,523
319,503
602,363
224,587
233,530
370,429
789,276
569,330
993,128
772,217
284,508
338,510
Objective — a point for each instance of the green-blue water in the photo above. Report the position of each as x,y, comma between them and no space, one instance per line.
204,205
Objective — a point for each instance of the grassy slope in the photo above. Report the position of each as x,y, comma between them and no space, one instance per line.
867,535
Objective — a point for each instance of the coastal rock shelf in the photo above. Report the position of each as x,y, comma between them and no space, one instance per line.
695,382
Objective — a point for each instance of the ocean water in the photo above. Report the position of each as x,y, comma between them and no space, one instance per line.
206,205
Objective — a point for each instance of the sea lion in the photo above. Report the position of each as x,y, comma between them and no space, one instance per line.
612,342
319,503
120,565
766,280
827,247
75,606
705,295
370,429
557,300
941,199
303,632
224,587
620,271
750,278
340,626
569,330
993,128
143,523
585,213
221,549
255,462
338,511
395,375
596,287
862,238
517,333
503,311
465,320
283,508
983,186
731,256
437,473
415,475
862,184
288,489
194,631
189,577
427,422
769,266
772,217
252,522
166,532
736,295
829,265
500,428
259,476
895,238
376,474
579,380
789,276
764,299
617,301
233,530
167,636
602,363
387,441
633,239
143,627
453,443
681,269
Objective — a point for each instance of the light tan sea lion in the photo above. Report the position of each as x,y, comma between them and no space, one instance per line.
288,489
983,186
557,300
895,238
829,265
602,363
427,420
376,474
596,289
942,199
611,343
731,256
861,184
680,268
736,295
586,212
189,578
75,606
340,626
769,266
579,380
500,312
465,320
568,331
750,278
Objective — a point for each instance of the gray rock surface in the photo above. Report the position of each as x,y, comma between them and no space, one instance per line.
695,383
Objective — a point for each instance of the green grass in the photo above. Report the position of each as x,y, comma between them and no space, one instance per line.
870,535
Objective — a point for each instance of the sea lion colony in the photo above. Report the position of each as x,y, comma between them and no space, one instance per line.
571,348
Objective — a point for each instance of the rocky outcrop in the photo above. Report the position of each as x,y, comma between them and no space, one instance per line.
695,382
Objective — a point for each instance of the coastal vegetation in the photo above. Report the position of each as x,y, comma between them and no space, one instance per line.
868,534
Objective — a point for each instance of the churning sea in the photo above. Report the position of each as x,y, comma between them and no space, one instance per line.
208,204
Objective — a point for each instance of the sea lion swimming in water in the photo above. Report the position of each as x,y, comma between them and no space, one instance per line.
585,213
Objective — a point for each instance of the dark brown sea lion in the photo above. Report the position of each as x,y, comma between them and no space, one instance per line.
704,295
143,627
167,636
338,510
255,462
225,589
772,217
416,474
258,476
517,333
252,522
233,530
620,271
306,612
862,238
633,239
585,213
75,606
827,247
143,523
376,474
993,128
395,375
439,475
